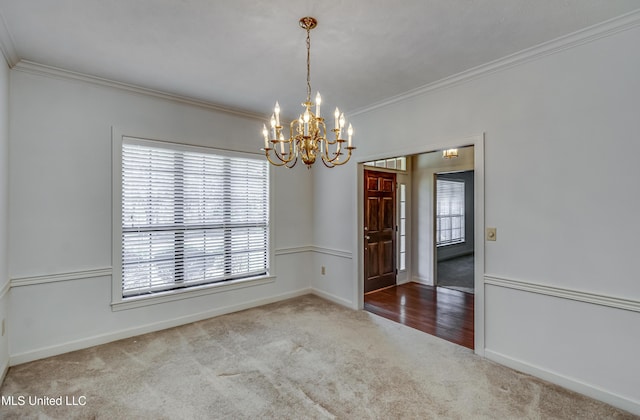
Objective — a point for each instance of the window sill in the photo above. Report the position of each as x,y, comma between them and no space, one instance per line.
181,294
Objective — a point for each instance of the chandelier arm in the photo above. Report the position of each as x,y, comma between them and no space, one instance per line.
337,153
282,161
272,162
323,149
326,163
336,133
281,157
293,164
286,164
338,163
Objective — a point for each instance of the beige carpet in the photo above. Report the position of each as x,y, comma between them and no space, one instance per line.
304,358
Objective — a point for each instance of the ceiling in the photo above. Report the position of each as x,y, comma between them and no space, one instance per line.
246,54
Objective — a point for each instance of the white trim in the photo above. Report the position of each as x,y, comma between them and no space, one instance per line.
5,370
54,278
117,137
188,293
563,293
575,385
7,45
186,147
583,36
312,248
478,246
144,329
58,73
421,280
332,298
469,140
294,250
4,291
333,252
586,35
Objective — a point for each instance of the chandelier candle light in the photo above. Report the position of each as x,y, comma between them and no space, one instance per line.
308,134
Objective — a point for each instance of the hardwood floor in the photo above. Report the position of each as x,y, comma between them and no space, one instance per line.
445,313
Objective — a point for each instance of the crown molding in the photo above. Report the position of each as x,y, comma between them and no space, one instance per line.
572,40
6,44
58,73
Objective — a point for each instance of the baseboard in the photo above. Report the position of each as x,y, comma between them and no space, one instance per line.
144,329
580,387
421,280
5,369
332,298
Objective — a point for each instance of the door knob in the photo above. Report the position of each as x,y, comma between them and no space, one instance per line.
367,237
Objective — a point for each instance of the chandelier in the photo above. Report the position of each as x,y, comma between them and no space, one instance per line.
308,134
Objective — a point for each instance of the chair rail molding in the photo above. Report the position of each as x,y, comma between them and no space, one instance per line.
53,278
4,290
564,293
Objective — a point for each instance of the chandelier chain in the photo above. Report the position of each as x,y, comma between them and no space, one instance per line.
308,65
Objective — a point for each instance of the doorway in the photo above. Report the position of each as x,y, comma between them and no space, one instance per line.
420,279
454,230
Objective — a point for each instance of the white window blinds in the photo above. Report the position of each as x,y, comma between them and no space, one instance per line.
449,212
191,216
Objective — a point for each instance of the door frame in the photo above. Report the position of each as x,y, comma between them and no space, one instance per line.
477,142
434,238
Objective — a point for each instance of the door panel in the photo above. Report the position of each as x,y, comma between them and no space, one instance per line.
380,230
387,261
388,213
373,210
374,267
387,184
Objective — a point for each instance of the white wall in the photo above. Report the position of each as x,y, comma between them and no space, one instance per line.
4,213
334,219
561,173
60,209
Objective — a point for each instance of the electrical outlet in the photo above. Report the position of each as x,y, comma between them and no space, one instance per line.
491,234
323,271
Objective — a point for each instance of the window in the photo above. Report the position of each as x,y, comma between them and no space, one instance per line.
403,227
449,212
399,163
190,216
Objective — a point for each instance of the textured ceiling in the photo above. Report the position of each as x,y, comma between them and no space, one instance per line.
245,54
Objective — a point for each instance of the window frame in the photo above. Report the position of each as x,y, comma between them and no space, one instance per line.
118,301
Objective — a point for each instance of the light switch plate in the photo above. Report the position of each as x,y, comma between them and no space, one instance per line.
491,234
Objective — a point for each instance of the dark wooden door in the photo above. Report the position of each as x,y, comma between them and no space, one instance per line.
379,230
